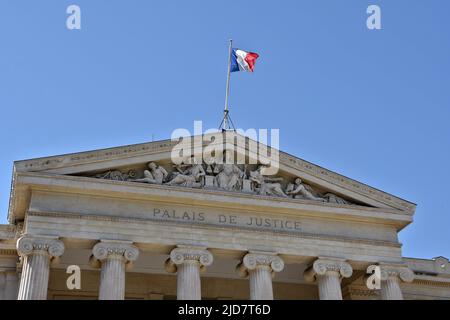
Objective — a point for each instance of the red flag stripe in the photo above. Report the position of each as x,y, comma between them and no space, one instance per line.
251,59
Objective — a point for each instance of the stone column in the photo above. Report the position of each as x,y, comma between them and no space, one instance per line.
114,257
391,276
328,272
11,285
188,262
37,253
2,284
260,268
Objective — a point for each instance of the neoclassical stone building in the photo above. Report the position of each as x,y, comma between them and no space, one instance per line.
140,227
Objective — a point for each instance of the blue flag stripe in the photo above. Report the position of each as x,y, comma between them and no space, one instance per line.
234,64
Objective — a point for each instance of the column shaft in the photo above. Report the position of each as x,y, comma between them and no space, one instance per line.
188,281
36,252
260,267
328,272
35,272
112,279
11,286
329,286
2,285
188,262
390,289
261,283
391,276
114,257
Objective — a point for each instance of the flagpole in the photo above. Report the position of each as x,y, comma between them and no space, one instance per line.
225,111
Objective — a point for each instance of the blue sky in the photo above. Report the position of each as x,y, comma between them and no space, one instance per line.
371,105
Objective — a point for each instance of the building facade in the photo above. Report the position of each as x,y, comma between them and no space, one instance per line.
139,226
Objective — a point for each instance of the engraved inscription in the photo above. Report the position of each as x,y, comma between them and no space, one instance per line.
244,221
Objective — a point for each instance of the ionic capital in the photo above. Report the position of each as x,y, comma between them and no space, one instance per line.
254,260
396,272
324,266
181,255
46,245
112,249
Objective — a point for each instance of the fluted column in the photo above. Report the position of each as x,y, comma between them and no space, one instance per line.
328,272
114,257
37,253
260,267
391,276
188,262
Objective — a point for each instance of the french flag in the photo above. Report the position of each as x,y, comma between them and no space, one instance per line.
242,60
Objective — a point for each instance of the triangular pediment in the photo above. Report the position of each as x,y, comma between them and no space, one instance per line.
152,164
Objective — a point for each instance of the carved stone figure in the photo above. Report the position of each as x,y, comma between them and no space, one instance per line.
116,175
188,175
229,177
299,190
332,198
156,174
266,186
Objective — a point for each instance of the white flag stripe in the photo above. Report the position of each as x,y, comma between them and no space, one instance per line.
240,57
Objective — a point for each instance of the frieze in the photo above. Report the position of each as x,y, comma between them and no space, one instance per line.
222,221
227,177
247,221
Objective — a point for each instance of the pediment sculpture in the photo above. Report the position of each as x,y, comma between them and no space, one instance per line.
188,175
266,186
300,190
155,175
226,176
229,177
116,175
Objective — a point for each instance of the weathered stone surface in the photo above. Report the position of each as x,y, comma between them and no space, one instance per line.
391,276
113,256
187,262
37,253
328,273
260,267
